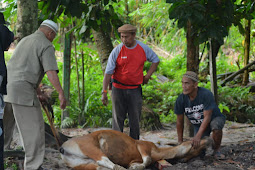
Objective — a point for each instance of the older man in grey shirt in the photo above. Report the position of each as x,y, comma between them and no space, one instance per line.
33,57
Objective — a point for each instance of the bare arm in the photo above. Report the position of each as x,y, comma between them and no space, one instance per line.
180,126
152,69
203,126
106,81
53,78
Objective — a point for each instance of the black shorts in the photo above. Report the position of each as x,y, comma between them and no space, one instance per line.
216,123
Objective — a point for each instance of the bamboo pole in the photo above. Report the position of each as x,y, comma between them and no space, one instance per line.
247,50
66,72
77,71
53,129
232,76
83,80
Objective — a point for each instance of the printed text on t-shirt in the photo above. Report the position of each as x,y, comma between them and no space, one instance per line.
195,114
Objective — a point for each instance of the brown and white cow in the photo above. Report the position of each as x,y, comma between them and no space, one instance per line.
109,149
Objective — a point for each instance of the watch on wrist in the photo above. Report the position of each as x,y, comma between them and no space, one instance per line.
104,91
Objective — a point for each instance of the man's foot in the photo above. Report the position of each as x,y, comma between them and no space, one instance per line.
218,155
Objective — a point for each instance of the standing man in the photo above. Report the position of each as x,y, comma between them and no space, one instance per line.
6,38
33,57
198,105
125,67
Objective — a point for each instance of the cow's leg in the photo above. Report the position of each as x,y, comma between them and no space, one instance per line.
106,162
74,156
204,144
91,166
102,160
145,151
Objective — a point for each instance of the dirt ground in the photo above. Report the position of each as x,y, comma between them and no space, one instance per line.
238,146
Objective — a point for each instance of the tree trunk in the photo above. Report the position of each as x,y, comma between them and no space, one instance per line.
192,65
192,50
126,9
104,46
77,72
247,50
27,22
213,52
66,72
149,120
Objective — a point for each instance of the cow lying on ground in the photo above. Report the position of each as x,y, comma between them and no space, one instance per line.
109,149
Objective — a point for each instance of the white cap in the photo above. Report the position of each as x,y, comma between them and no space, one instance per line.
50,24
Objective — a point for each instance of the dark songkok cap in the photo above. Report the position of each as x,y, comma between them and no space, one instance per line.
127,28
192,75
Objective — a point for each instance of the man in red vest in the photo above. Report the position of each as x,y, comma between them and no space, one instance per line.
125,68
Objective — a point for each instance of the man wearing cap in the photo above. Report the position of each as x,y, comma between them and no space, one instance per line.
198,104
125,68
33,57
6,38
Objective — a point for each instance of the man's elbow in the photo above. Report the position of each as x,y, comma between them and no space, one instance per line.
51,71
157,63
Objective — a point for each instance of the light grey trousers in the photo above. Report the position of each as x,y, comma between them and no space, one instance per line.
127,101
30,125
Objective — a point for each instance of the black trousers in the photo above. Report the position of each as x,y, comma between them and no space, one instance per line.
1,146
127,101
1,134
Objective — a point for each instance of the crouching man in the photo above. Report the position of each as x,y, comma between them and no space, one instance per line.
199,106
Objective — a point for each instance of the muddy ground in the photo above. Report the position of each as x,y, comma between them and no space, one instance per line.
238,146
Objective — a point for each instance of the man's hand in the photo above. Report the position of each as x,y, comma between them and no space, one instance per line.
104,99
196,141
202,128
53,77
146,79
62,100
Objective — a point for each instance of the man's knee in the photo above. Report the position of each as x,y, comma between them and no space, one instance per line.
217,132
217,123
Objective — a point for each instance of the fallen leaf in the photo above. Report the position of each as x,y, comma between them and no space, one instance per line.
231,161
243,141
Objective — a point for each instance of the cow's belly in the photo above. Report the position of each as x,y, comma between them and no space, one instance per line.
120,151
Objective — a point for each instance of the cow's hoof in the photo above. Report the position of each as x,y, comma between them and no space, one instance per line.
118,167
136,167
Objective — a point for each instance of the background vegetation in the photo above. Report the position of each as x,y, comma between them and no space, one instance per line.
169,42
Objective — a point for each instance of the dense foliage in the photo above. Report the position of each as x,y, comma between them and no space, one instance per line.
155,29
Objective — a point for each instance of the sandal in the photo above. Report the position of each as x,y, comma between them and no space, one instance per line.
218,155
